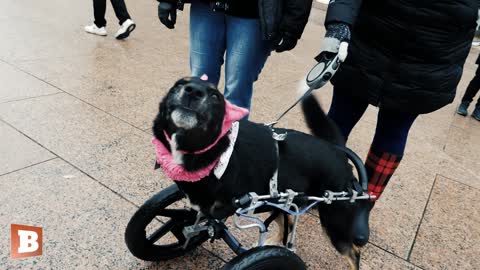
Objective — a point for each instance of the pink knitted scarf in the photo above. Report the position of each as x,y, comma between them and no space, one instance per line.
177,172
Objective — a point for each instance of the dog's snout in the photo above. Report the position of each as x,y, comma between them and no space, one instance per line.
195,91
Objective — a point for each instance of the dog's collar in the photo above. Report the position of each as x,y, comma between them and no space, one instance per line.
199,151
177,172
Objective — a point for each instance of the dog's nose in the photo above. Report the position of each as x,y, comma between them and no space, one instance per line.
195,91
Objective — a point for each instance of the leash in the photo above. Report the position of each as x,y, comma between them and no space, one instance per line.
317,77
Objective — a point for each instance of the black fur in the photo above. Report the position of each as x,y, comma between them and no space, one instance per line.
307,164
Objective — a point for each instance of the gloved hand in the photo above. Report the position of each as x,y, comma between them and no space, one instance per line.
284,42
336,41
166,10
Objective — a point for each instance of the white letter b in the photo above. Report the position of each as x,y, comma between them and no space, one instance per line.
28,241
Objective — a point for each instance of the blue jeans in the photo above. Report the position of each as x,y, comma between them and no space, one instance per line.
215,34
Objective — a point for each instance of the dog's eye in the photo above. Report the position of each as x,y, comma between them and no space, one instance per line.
215,97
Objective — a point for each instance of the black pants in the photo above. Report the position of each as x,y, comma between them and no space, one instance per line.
100,7
473,88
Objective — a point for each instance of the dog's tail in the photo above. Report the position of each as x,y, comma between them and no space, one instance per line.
319,123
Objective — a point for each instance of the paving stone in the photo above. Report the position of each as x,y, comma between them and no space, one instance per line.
18,151
125,93
448,236
19,85
376,258
463,145
83,222
108,149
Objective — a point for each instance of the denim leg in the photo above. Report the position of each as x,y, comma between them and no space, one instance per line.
207,41
245,57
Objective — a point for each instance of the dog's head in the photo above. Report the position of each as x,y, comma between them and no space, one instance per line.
193,109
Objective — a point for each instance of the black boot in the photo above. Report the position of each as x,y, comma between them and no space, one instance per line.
360,227
463,108
476,113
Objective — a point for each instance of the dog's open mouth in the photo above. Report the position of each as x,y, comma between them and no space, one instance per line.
184,117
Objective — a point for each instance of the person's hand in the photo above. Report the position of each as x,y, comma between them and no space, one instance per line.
336,41
284,42
167,13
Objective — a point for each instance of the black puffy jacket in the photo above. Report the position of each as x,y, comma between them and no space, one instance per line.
275,16
405,55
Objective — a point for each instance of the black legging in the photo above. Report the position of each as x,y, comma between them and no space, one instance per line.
392,126
100,7
472,89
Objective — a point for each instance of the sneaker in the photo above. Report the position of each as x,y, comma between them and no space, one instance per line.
476,113
125,29
93,29
462,109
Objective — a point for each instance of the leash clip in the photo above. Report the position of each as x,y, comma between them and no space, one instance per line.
279,137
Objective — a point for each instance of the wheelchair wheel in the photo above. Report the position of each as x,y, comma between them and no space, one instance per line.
266,258
156,209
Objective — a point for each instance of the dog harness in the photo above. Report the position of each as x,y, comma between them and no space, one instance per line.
273,184
177,172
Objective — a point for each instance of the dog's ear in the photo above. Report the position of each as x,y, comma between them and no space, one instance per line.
160,122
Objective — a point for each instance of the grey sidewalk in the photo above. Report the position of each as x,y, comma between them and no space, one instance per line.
76,159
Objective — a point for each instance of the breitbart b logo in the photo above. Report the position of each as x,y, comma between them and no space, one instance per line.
26,241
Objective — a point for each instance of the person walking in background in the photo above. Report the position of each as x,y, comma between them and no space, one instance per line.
98,27
239,33
470,93
405,62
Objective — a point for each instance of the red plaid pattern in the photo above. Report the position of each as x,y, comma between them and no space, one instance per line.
380,168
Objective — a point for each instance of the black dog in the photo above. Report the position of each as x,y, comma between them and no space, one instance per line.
191,115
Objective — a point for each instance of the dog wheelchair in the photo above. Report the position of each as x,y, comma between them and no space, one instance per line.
189,228
182,229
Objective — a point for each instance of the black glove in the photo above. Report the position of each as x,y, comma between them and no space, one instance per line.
336,40
284,42
166,10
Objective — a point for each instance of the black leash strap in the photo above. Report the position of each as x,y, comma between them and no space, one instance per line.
309,91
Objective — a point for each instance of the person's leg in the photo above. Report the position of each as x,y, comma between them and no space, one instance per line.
120,10
207,41
387,148
472,88
476,112
471,91
99,9
346,111
245,57
384,156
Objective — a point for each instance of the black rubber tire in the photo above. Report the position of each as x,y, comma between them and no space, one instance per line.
135,235
266,258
